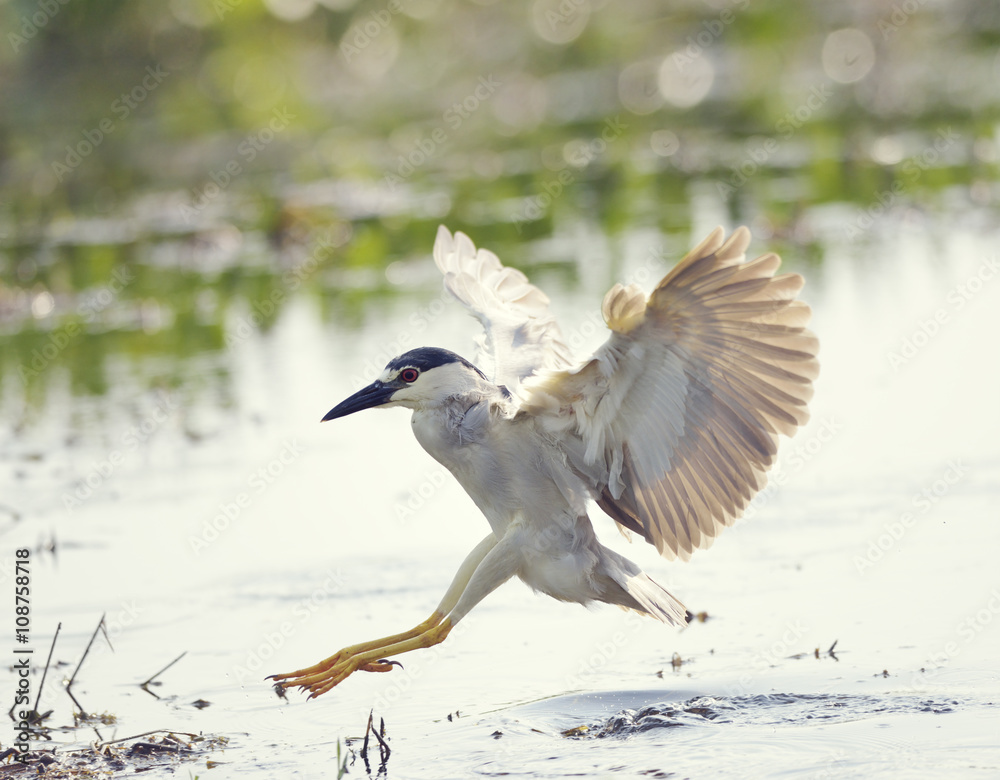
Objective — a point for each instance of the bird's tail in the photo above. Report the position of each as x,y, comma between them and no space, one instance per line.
629,586
655,600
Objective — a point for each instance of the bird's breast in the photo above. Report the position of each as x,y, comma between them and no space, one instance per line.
447,437
505,467
469,450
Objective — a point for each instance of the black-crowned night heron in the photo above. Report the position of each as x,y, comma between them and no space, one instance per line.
670,426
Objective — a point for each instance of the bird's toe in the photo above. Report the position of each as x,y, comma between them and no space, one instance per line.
383,665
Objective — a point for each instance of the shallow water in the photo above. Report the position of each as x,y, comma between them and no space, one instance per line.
255,540
167,351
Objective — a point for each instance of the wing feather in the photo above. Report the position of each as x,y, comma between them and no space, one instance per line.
675,419
521,335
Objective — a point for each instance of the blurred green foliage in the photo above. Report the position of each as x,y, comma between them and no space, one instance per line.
220,153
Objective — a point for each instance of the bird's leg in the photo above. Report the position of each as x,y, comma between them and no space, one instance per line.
448,602
358,649
489,565
319,683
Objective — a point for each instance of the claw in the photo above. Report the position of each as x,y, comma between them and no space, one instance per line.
382,665
321,677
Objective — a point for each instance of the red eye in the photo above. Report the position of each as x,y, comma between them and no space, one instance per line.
409,375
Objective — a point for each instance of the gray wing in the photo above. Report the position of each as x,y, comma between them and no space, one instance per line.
674,421
521,335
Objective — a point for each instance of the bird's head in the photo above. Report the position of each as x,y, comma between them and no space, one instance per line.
416,379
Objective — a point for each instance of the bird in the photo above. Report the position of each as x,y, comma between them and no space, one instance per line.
670,427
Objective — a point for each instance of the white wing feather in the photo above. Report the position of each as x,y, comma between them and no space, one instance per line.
674,420
521,336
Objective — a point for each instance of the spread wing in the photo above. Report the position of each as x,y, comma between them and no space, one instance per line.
521,336
675,419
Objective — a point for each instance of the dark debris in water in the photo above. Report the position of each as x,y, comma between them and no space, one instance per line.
655,716
764,709
383,744
103,758
676,662
819,654
110,759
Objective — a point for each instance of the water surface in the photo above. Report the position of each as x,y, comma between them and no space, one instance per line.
169,348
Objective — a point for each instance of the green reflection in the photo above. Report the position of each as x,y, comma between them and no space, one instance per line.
173,173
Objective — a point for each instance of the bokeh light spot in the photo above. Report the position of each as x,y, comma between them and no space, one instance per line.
685,81
638,87
290,10
848,55
42,305
664,142
560,21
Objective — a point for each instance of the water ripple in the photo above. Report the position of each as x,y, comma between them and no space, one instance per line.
762,709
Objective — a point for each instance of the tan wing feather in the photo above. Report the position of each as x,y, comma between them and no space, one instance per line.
675,419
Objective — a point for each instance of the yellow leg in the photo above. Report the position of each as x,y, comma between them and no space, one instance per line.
320,682
366,656
358,649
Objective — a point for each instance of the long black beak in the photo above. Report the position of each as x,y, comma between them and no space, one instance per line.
375,394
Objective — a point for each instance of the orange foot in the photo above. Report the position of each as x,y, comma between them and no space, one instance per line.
321,677
366,657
